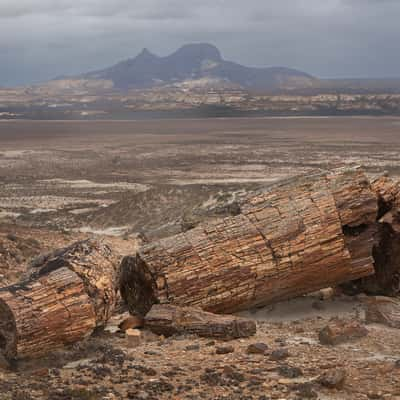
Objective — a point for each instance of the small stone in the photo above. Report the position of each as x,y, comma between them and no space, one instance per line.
132,322
134,337
326,294
192,347
333,379
152,353
224,350
341,331
289,372
279,354
257,348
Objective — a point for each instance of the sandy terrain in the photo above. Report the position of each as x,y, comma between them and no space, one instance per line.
98,175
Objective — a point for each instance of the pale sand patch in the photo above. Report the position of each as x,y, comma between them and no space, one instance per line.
185,182
302,308
49,202
111,231
7,214
42,210
80,211
87,184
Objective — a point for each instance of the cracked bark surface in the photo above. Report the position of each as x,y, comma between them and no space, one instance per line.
293,238
386,249
69,293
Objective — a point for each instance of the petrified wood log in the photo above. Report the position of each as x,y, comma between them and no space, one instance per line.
386,250
383,310
70,293
296,237
341,331
168,320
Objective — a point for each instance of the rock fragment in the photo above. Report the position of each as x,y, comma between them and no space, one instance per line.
257,348
224,349
341,331
333,379
279,354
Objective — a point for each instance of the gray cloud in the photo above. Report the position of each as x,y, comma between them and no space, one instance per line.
40,39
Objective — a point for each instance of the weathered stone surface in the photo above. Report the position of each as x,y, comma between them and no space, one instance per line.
279,354
340,331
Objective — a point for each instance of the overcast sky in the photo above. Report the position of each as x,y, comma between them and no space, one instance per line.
41,39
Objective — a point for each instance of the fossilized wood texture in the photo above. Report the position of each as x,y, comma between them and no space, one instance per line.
383,310
340,331
296,237
167,320
386,251
71,292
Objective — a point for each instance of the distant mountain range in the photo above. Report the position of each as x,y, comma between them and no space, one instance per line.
197,62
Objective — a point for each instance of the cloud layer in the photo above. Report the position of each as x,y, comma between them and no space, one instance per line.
40,39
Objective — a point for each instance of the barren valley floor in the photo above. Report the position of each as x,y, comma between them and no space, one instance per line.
119,176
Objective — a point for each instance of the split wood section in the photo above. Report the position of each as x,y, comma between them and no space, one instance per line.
170,320
296,237
69,294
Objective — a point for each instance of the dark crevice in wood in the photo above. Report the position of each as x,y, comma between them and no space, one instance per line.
137,284
354,230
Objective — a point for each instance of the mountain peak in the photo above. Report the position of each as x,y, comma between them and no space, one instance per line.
198,51
145,54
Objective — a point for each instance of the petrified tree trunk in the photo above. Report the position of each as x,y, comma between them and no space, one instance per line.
386,250
168,320
297,237
383,310
71,292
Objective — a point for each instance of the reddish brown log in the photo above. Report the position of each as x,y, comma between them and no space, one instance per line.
169,320
71,292
297,237
386,251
